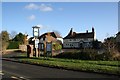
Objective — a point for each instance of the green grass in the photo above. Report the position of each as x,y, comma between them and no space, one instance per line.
80,65
109,63
111,67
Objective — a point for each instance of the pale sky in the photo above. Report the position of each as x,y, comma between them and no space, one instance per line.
61,16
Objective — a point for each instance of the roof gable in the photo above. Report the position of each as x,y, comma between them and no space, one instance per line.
53,34
72,35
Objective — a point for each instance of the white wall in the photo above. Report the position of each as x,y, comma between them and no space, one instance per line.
61,39
68,43
71,44
78,40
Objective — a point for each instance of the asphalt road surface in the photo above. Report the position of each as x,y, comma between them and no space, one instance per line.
20,71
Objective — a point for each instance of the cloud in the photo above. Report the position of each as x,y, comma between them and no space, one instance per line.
45,8
32,6
32,17
42,7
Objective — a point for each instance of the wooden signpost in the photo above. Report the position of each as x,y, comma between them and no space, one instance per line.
36,40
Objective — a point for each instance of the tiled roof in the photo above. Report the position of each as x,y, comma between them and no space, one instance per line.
72,35
118,33
53,34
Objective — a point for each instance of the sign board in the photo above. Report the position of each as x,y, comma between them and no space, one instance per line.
41,46
36,32
36,43
49,47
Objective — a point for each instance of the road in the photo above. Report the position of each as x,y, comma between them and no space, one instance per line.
26,71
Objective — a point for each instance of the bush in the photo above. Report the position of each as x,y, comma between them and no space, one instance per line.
87,54
105,56
83,54
13,45
57,46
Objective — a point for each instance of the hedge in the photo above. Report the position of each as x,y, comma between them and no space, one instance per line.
13,45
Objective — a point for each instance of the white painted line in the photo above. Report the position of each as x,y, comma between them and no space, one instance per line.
2,73
23,78
14,77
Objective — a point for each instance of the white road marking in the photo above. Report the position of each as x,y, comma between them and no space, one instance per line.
19,78
1,73
14,77
23,78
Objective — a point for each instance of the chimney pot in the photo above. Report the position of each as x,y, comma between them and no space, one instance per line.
86,31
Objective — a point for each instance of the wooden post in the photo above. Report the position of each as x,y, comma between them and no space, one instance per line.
36,52
36,47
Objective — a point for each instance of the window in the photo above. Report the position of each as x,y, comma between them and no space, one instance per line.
86,39
41,39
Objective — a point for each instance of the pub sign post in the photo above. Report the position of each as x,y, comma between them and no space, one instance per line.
36,40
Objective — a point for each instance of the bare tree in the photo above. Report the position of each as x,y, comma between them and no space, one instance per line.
13,34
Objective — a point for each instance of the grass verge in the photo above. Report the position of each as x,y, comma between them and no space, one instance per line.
112,67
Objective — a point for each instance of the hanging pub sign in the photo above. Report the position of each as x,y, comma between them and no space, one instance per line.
36,31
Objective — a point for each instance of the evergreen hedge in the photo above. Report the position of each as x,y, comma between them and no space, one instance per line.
13,45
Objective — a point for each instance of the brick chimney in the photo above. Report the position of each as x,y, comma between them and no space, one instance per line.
93,29
86,31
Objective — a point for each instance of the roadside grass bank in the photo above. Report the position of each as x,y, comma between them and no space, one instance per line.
107,67
78,65
107,63
98,62
83,66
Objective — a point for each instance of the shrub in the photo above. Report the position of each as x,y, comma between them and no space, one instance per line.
87,54
13,45
57,46
83,54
